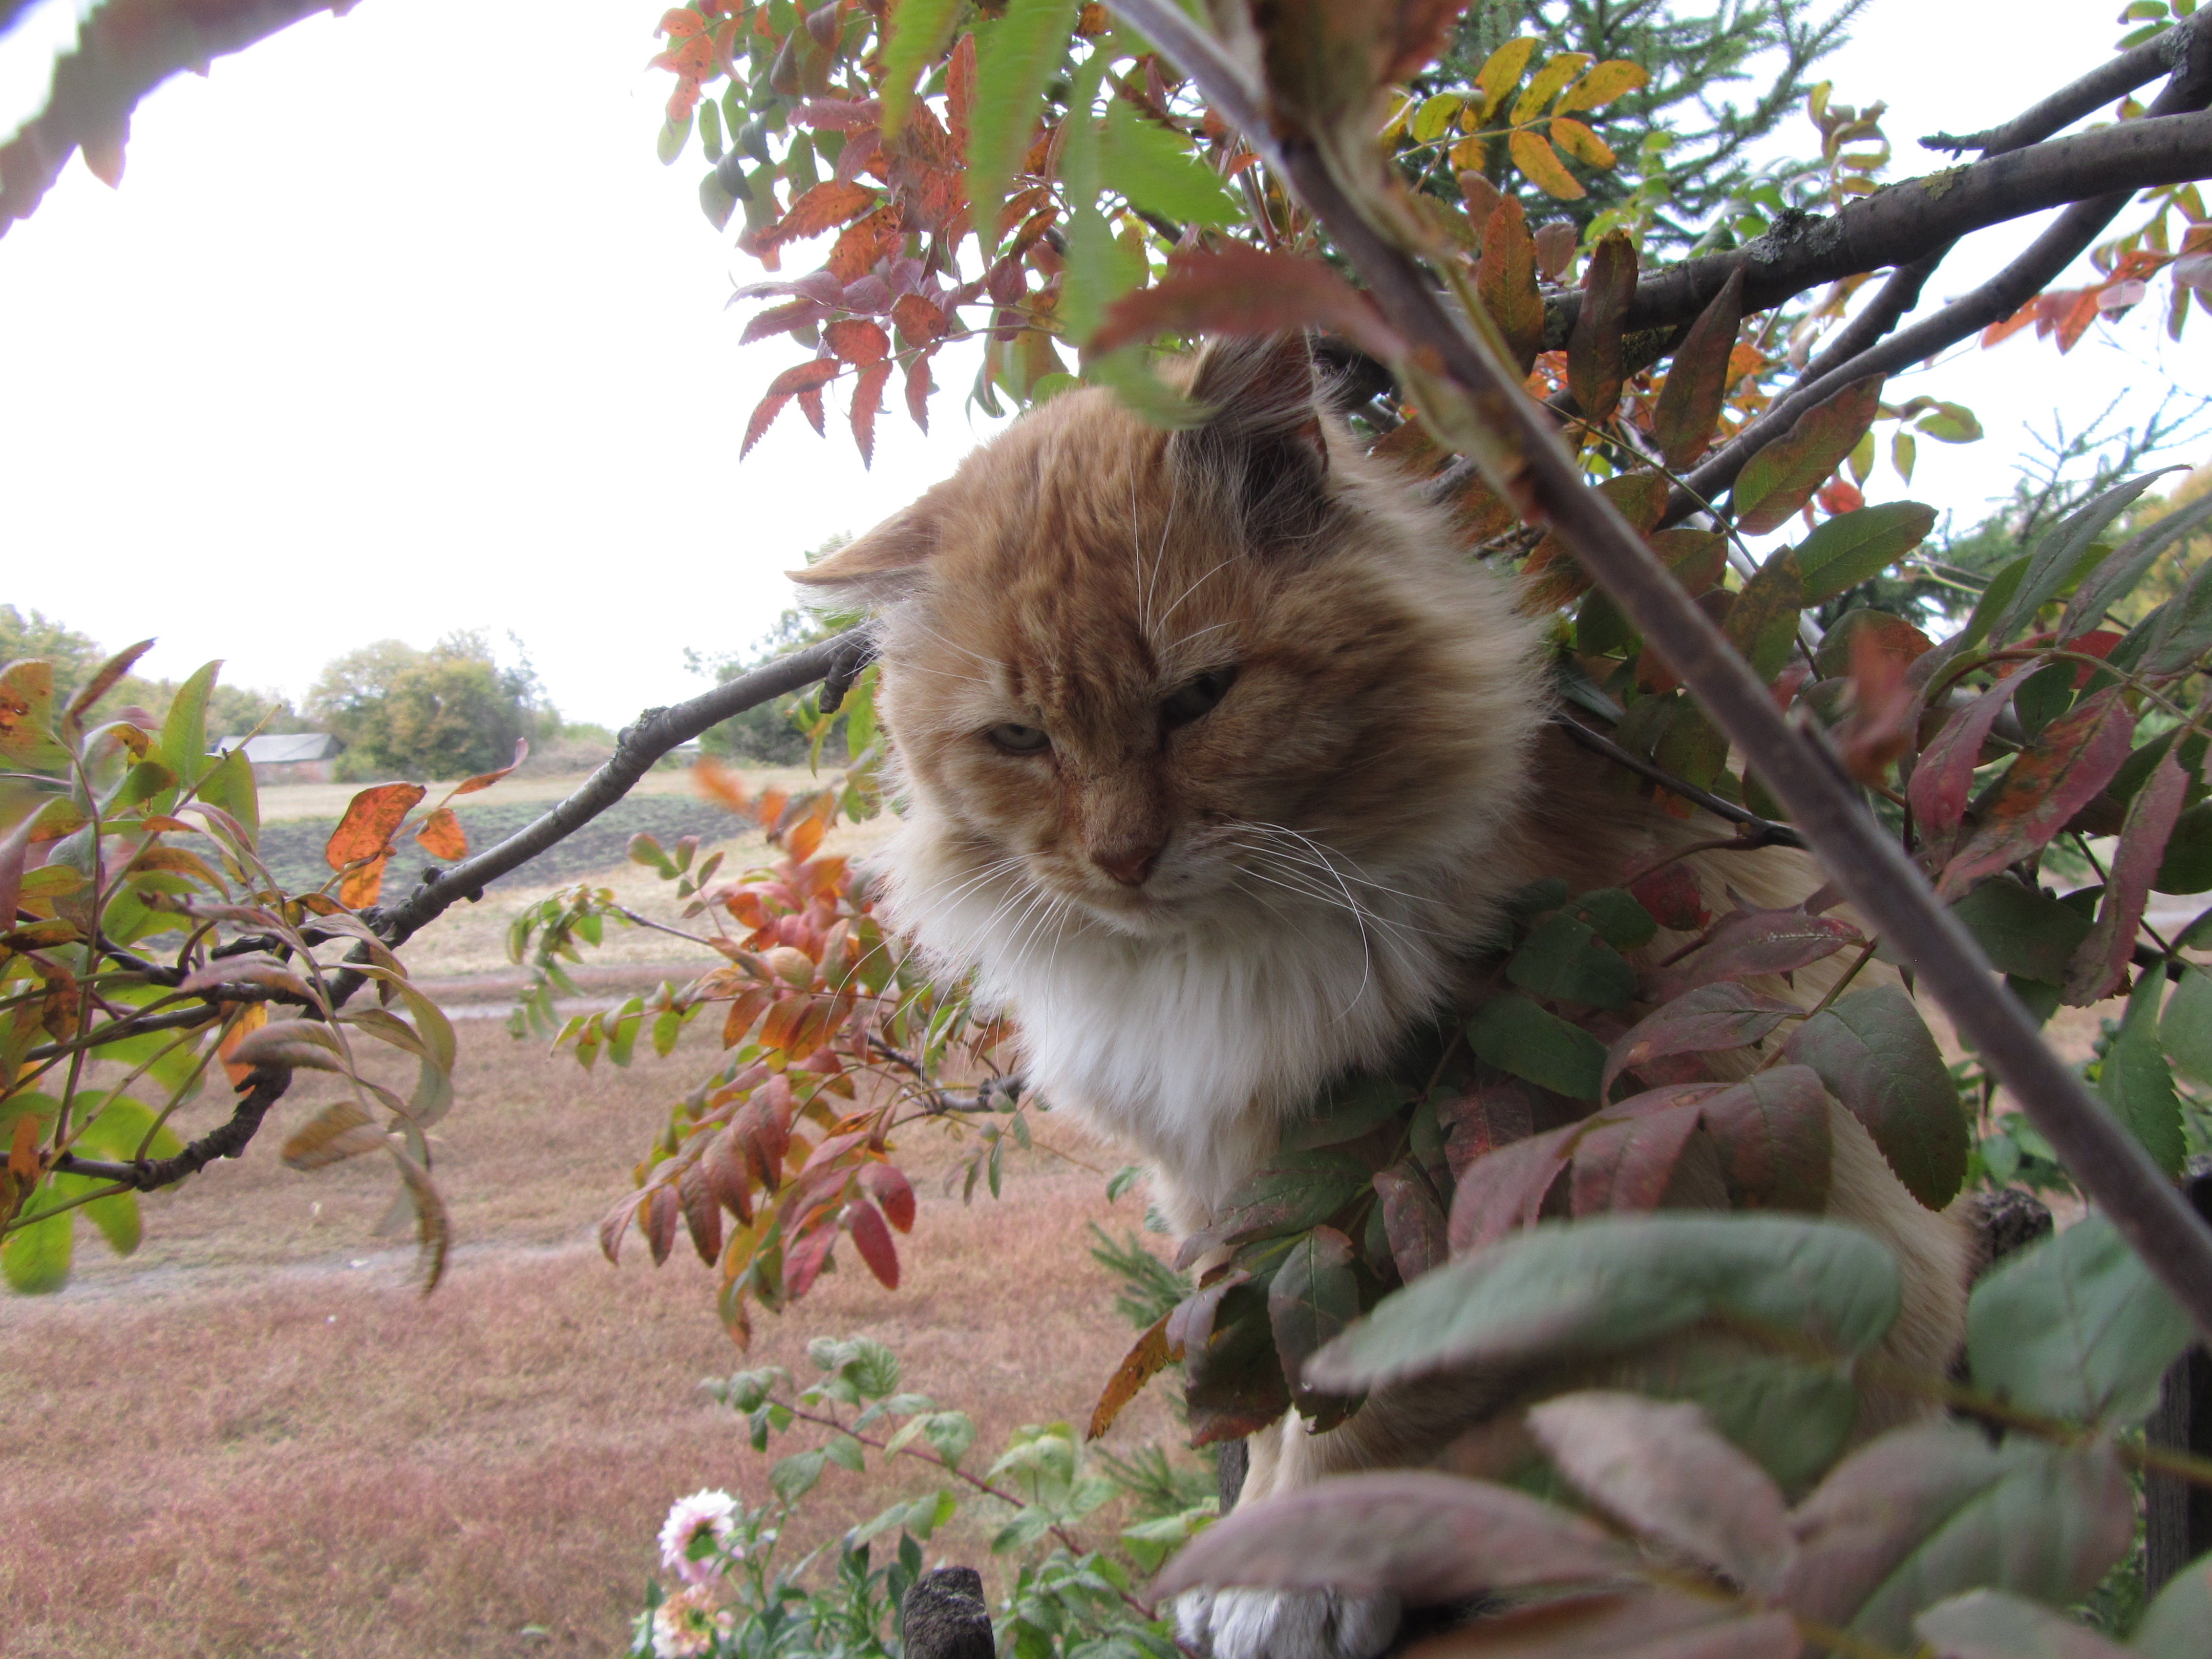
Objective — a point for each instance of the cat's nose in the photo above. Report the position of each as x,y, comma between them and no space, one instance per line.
1128,865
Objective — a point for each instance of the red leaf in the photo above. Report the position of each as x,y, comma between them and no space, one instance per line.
486,780
887,1184
702,1216
1626,1165
1838,496
1705,1021
1497,1115
2102,957
918,388
783,319
1943,776
810,405
805,1258
802,378
860,244
829,203
1696,380
2065,768
1782,478
1772,1130
727,1178
662,1208
1670,893
1746,943
764,417
1507,1189
919,321
1241,290
858,341
867,398
613,1225
1883,705
1412,1220
1505,279
874,1240
1593,349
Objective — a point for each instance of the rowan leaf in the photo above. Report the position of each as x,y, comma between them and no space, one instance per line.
1311,1299
1874,1052
1762,623
1564,958
915,37
1855,547
1774,1140
1616,1283
1663,1470
857,340
1986,1624
1746,943
1412,1220
371,819
2103,957
441,835
2186,1028
832,202
1152,1354
2173,1625
1505,279
1625,1161
867,400
1605,82
1594,364
103,678
1690,402
1579,141
1015,55
872,1237
1501,71
1516,1035
1156,170
2067,767
702,1215
1242,290
1547,82
2055,559
1943,777
183,730
1891,636
1503,1189
1232,1383
2137,1083
1927,1511
1706,1020
1426,1537
763,416
1780,478
1535,157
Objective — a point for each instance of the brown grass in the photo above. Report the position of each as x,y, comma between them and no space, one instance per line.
255,1438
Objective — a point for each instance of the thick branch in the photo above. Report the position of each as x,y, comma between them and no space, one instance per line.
263,1084
2108,1163
656,732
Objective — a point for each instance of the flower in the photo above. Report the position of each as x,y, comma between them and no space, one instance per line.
705,1517
687,1622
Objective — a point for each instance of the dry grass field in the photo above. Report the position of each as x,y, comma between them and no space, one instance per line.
256,1437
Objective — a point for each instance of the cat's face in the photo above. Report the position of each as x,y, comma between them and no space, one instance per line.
1167,681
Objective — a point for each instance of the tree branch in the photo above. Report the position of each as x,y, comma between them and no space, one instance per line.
657,731
263,1087
2108,82
1870,866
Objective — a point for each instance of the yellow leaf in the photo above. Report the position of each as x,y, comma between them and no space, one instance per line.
1407,103
1502,72
1435,117
1607,81
1579,141
1541,163
1555,75
1469,153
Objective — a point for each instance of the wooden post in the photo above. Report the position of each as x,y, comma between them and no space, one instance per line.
2178,1523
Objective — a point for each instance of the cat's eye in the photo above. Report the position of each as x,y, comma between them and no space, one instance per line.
1019,739
1198,698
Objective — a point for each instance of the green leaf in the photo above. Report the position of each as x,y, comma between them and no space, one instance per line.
917,33
1565,958
2023,931
2137,1084
1923,1513
1950,423
1855,547
1514,1034
846,1453
794,1476
1619,919
1986,1624
230,784
950,1435
1792,1418
2057,555
184,732
34,1259
1603,1285
1762,623
2116,575
117,1217
1875,1052
1015,56
2186,1029
1781,477
2173,1627
1313,1297
1155,169
2186,866
2076,1328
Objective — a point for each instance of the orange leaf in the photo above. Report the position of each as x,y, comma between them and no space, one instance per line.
829,203
361,887
860,244
441,834
1151,1355
370,820
1782,477
867,398
1696,380
857,340
486,780
717,782
1506,280
250,1019
919,321
1241,290
2011,325
1536,158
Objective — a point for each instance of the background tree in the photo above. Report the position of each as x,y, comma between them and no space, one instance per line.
444,713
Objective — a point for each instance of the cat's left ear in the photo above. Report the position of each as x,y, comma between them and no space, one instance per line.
1265,440
882,565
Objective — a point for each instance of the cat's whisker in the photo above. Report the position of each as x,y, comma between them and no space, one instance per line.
1329,856
1359,920
1195,586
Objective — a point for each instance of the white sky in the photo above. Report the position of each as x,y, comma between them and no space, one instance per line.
397,325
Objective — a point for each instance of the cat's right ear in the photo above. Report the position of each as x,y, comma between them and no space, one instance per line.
883,565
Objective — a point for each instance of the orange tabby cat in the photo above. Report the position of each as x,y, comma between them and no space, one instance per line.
1218,755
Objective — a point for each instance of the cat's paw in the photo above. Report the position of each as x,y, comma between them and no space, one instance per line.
1247,1624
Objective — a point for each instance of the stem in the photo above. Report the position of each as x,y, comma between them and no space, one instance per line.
2110,1165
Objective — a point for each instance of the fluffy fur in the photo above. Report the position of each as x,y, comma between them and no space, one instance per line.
1198,918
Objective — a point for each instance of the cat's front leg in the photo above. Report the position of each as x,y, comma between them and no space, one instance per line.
1257,1623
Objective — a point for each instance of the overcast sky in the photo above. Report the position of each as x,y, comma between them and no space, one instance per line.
397,326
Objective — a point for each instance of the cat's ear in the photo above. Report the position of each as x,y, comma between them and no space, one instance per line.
881,566
1265,442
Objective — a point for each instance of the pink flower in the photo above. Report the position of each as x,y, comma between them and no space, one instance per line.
686,1624
704,1516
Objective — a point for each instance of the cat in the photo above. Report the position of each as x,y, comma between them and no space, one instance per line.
1218,755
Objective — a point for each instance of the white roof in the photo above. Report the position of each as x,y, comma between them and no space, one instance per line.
282,748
